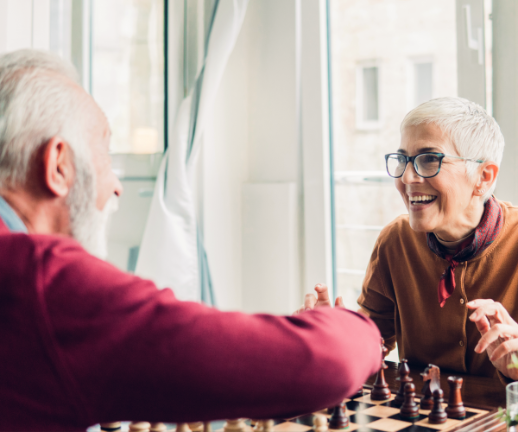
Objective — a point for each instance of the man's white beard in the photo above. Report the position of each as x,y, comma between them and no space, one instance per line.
88,224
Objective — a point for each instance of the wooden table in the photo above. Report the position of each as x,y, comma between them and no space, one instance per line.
477,391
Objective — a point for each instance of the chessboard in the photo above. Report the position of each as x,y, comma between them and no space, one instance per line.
367,415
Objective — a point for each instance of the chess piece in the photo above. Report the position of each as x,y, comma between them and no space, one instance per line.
196,427
265,425
339,419
381,389
455,408
437,415
111,427
157,427
358,394
139,427
432,381
207,427
320,423
404,372
409,409
182,427
237,425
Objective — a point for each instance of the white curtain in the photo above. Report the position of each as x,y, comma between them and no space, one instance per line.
171,252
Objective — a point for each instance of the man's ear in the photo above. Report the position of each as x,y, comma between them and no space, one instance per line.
58,167
487,177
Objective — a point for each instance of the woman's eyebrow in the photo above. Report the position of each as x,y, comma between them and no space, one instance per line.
422,150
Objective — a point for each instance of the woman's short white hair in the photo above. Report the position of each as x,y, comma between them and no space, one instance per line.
474,133
39,99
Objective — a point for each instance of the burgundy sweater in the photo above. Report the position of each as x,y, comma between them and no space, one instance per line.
82,343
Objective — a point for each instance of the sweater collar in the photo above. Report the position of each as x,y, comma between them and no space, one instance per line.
9,217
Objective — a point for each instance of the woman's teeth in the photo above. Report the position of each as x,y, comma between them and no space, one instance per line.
422,199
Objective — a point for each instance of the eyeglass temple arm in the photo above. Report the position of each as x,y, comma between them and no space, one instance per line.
472,160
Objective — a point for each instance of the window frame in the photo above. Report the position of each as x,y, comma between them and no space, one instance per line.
361,123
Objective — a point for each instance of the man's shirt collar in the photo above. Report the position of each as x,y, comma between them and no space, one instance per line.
10,218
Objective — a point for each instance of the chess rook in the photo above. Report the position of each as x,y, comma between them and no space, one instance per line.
404,372
455,408
381,389
437,415
409,409
339,419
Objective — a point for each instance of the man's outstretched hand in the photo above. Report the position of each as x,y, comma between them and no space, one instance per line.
322,299
499,333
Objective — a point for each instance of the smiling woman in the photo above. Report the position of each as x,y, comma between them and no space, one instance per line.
451,247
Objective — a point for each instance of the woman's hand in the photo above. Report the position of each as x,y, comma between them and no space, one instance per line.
322,299
499,334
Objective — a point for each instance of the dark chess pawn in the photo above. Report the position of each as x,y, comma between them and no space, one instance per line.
404,372
358,394
437,415
432,381
455,408
409,409
381,389
339,419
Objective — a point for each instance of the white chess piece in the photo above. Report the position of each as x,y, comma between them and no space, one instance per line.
320,423
139,427
237,425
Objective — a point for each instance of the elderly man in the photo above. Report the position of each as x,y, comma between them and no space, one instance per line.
83,342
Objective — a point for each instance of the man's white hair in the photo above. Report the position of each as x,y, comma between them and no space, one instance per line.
473,132
39,99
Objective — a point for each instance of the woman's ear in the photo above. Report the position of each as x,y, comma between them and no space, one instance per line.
486,178
58,167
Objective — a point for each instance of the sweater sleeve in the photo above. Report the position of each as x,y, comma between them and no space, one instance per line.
374,300
131,351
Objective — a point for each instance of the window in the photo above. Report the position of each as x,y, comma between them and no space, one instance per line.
368,106
412,58
128,72
422,82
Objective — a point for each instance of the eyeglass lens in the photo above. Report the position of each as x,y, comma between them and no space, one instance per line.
427,165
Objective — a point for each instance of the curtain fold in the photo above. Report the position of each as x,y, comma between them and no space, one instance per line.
172,252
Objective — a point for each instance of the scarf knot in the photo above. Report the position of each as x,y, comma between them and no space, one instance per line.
484,235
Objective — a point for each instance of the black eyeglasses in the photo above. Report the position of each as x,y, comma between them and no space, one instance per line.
426,165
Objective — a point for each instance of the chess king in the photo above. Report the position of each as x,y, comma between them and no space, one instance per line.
83,342
442,280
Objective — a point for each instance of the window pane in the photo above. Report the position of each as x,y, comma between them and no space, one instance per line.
370,94
423,82
400,36
128,72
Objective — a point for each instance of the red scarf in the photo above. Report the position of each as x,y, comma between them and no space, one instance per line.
485,234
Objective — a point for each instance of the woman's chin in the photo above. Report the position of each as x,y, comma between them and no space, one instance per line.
419,225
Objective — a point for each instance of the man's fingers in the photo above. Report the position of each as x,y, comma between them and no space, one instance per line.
503,331
322,294
339,302
309,301
506,347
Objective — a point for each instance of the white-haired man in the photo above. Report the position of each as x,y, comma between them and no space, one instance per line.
83,342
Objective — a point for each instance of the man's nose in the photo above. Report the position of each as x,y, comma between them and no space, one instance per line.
410,175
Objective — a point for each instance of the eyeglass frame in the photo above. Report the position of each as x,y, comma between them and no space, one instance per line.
412,160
